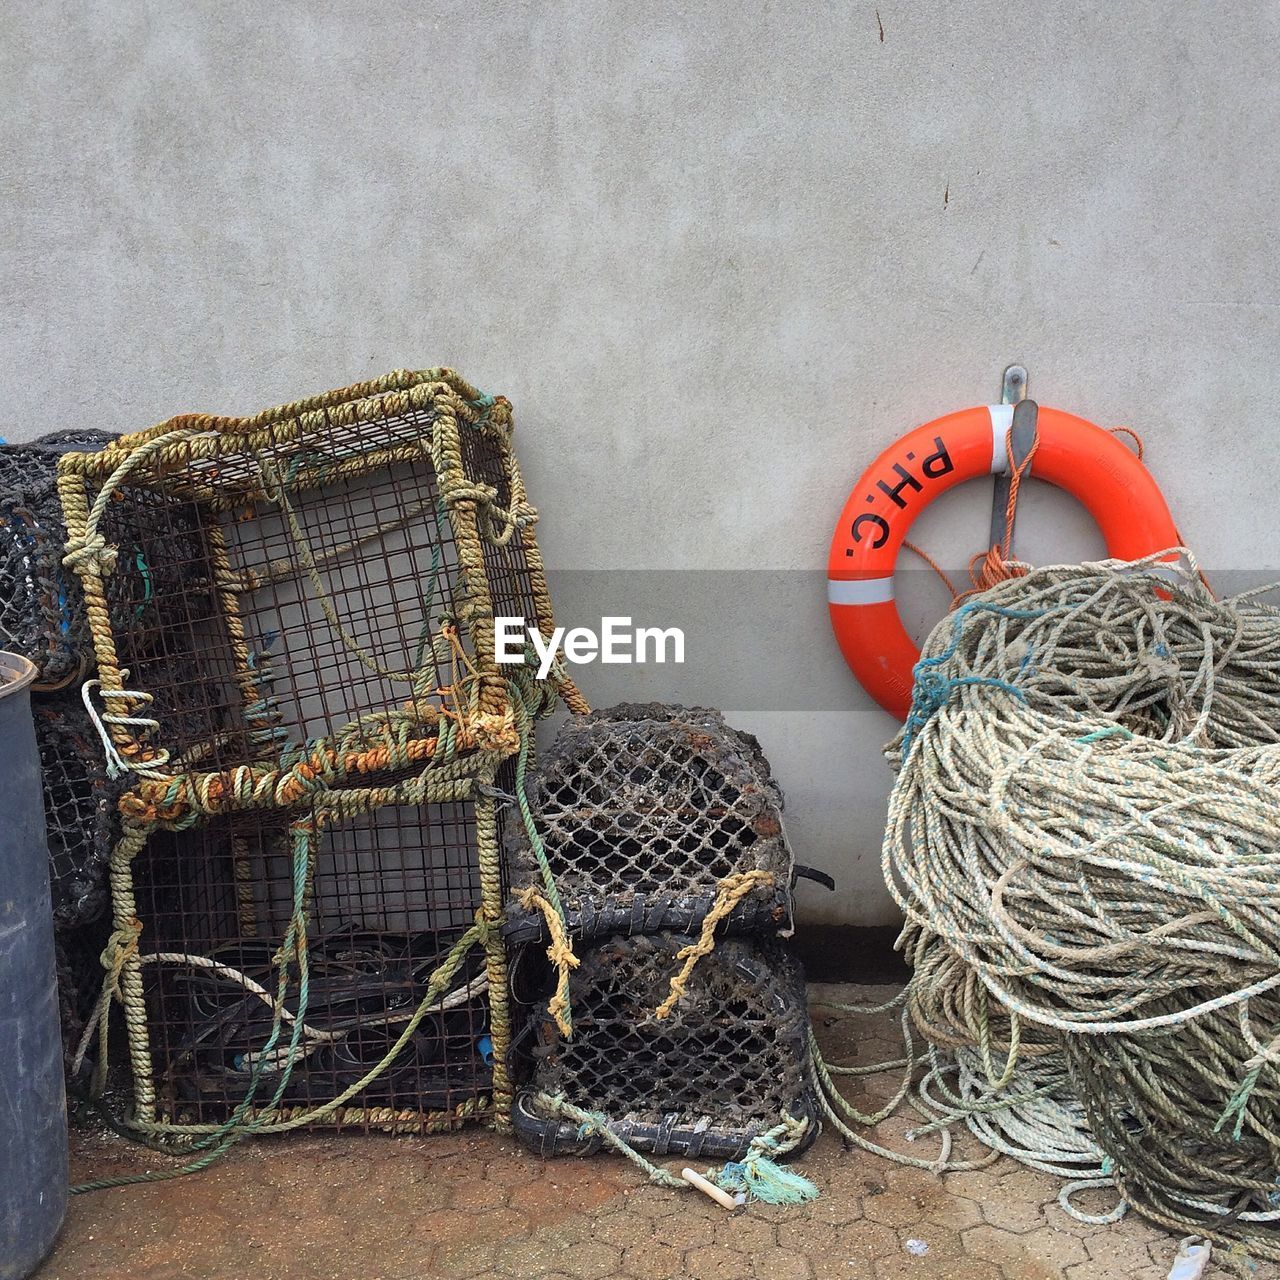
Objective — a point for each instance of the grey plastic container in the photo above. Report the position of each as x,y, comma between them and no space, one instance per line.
33,1105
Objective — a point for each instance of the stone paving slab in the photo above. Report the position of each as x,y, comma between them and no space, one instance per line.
345,1207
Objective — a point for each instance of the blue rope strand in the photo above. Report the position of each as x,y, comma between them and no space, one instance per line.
932,690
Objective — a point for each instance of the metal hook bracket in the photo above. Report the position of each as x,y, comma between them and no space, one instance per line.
1022,433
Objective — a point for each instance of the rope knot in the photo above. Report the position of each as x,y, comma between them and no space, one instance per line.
90,548
729,892
486,928
560,953
759,1177
122,944
495,732
504,522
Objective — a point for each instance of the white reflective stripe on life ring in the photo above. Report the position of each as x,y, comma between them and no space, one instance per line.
860,591
1001,421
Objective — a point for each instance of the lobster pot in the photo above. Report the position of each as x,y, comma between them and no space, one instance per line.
386,894
80,812
643,810
81,828
42,613
731,1061
307,577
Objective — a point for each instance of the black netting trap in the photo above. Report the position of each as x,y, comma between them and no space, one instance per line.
388,894
727,1064
643,810
78,960
81,818
41,608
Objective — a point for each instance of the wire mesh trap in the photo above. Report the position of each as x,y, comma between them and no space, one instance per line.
292,616
316,583
388,894
42,613
643,810
78,966
728,1063
81,819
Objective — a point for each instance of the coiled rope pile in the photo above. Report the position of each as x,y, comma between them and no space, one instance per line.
1085,839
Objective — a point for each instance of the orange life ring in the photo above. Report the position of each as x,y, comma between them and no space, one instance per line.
1086,461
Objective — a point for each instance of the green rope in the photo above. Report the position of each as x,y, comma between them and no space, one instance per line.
235,1127
521,698
597,1122
141,563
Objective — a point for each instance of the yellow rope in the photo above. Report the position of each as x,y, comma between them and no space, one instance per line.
122,944
729,892
560,953
571,696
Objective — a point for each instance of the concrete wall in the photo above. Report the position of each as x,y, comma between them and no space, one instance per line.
717,258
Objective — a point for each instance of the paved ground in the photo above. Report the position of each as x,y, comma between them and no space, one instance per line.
383,1208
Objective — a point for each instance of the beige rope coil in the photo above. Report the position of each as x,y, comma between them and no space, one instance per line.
1085,840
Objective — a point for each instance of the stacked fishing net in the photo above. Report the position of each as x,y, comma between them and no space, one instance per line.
42,618
680,1024
1085,839
42,613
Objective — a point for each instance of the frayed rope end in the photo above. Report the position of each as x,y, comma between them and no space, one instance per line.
761,1179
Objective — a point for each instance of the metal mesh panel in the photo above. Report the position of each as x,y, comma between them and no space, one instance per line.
728,1062
41,608
390,892
643,810
165,614
79,809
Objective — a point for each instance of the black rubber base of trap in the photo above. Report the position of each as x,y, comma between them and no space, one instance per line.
549,1136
